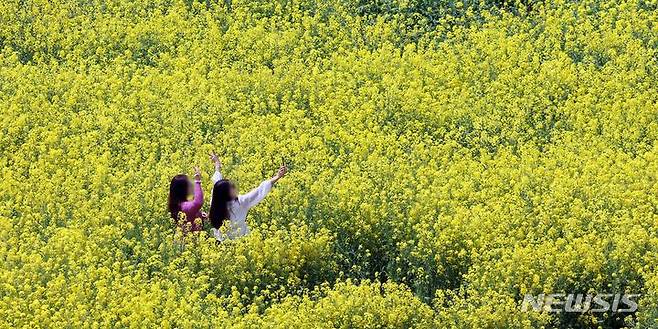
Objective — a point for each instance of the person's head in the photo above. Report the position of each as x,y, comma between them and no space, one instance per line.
223,192
179,189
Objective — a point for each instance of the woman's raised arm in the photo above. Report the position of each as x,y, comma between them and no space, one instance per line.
217,176
259,193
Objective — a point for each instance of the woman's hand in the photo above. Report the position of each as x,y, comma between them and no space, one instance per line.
215,160
280,173
197,173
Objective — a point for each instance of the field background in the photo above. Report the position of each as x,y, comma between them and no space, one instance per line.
447,157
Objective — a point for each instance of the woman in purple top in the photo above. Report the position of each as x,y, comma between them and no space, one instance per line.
179,191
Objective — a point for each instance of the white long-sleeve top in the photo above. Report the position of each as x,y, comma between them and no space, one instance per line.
237,226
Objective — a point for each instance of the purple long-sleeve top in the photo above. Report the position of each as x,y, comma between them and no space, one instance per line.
192,208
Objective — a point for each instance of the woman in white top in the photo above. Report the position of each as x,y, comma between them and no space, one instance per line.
227,205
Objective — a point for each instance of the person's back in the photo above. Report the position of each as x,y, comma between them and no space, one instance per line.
179,190
226,204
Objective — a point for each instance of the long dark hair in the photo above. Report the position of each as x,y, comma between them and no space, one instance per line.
178,190
221,196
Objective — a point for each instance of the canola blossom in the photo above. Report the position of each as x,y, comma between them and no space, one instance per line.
446,158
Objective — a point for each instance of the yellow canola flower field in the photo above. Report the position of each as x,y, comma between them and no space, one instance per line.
446,159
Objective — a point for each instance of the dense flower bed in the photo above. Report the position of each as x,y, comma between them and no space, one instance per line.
446,158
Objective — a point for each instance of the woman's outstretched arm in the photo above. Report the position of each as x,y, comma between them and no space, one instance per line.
259,193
